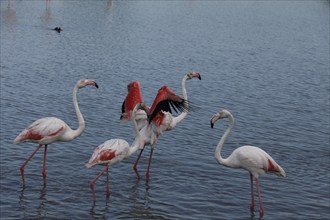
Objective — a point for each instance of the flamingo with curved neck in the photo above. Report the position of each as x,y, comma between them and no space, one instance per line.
50,129
250,158
114,150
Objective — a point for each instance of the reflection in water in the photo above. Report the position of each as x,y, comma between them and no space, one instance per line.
46,16
41,208
24,201
109,5
141,201
100,213
9,15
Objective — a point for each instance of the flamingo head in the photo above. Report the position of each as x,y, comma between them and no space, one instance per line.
219,115
86,82
193,74
133,85
141,106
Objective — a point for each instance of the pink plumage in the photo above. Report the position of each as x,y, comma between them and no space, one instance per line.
47,130
115,150
250,158
160,116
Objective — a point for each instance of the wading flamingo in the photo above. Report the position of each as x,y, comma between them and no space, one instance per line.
47,130
160,114
113,151
250,158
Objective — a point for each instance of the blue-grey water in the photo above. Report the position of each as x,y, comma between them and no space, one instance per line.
265,61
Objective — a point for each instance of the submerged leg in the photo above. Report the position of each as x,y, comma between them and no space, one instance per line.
148,170
260,201
96,178
26,161
136,163
44,166
252,193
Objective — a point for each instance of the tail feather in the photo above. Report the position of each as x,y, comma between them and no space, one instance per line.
89,165
280,171
20,138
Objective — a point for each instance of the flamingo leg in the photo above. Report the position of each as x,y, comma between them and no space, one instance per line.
44,166
27,160
136,163
107,186
260,201
148,170
96,178
252,194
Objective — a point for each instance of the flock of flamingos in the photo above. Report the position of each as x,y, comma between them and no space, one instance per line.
149,123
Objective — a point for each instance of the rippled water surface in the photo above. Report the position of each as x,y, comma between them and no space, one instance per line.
265,61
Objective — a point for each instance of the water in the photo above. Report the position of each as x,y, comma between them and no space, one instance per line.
265,61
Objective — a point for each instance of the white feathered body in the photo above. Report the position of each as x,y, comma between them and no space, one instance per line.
110,152
45,131
254,160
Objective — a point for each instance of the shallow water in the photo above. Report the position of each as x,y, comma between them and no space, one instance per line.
265,61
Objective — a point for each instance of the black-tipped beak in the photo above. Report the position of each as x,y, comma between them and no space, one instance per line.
199,77
97,86
212,125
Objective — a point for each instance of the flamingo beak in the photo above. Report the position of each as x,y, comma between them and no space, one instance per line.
198,75
212,124
97,86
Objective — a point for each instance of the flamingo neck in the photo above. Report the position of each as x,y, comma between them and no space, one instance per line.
81,121
136,144
134,147
218,149
184,113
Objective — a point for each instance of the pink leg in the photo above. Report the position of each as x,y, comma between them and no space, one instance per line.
26,161
260,201
107,186
136,163
44,166
96,178
148,170
252,193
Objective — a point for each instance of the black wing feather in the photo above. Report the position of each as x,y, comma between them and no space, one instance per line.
122,109
167,105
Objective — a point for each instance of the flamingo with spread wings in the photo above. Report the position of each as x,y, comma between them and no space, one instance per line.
159,118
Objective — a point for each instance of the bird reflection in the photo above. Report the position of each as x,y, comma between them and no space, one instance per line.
140,199
47,16
21,199
100,213
9,15
24,201
109,5
42,200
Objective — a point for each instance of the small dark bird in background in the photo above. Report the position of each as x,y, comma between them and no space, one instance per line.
58,29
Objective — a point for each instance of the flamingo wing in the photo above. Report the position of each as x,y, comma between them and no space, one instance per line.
133,97
166,100
49,127
111,151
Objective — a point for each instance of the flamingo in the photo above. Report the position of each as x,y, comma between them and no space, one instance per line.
250,158
160,114
133,97
47,130
113,151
